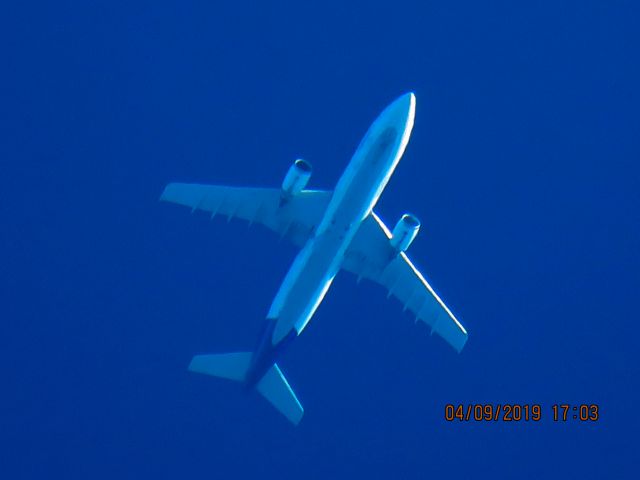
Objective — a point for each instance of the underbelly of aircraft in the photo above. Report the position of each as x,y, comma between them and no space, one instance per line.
317,264
311,282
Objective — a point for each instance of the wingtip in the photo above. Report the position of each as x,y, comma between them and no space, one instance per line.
462,343
164,194
296,421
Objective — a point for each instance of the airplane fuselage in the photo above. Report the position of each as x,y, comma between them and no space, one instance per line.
316,265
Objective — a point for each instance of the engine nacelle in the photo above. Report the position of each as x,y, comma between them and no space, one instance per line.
404,232
296,179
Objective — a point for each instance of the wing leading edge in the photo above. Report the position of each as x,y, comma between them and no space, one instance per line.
371,256
294,219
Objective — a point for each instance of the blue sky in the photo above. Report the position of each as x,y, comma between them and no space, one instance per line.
522,167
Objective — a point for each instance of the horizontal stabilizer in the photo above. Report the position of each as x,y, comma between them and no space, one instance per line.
232,366
275,388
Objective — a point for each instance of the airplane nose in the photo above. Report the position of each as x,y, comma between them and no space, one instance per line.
408,99
407,103
403,108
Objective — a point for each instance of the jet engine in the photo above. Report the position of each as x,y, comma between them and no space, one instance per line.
296,179
404,232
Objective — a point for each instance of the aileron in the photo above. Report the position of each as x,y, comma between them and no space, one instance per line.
371,256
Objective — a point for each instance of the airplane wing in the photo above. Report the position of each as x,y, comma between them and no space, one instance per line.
371,256
294,219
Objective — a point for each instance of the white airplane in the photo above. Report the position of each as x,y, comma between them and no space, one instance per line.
335,230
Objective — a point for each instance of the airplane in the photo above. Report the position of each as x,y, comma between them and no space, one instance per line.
336,230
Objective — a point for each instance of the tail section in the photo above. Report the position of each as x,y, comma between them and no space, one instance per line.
273,385
232,366
275,388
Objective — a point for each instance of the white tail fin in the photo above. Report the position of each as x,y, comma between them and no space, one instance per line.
275,388
232,366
